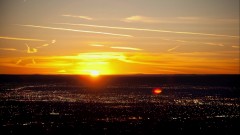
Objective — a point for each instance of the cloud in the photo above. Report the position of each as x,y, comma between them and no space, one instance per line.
54,41
31,50
143,19
172,20
126,48
97,45
202,20
75,30
17,38
117,47
8,49
214,44
179,20
62,71
169,50
33,61
81,17
193,62
234,46
185,41
152,30
11,49
18,62
45,45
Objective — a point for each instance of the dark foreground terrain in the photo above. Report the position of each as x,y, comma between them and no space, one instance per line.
188,104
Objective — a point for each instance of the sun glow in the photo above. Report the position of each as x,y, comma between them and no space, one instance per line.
94,73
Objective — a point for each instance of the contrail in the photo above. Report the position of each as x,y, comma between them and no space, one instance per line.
25,39
97,45
185,41
126,48
234,46
8,49
82,17
29,50
74,30
152,30
19,61
169,50
33,61
45,45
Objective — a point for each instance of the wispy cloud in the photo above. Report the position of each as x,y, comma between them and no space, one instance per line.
75,30
152,30
192,62
204,20
12,49
62,71
8,49
234,46
17,38
126,48
31,50
194,42
45,45
97,45
143,19
117,47
54,41
33,61
179,20
19,61
81,17
169,50
214,44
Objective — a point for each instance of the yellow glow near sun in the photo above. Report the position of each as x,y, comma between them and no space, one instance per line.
94,73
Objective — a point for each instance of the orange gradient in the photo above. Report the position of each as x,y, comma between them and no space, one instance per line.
156,40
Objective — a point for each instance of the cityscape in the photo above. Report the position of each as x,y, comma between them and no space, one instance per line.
119,109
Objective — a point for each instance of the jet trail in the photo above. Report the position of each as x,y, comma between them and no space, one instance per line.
74,30
8,49
19,61
126,48
82,17
31,50
152,30
169,50
24,39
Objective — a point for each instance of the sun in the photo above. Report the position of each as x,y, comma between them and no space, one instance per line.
94,73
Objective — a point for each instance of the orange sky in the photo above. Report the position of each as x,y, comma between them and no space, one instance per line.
119,37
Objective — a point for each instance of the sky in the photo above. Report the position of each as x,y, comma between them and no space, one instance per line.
119,37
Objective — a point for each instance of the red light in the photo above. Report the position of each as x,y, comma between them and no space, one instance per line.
157,91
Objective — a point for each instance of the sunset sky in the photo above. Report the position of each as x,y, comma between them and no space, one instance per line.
119,36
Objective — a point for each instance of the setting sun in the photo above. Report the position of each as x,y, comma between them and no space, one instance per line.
94,73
